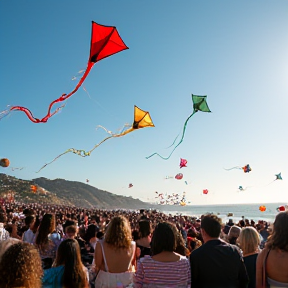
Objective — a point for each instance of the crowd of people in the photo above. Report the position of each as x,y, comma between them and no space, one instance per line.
60,246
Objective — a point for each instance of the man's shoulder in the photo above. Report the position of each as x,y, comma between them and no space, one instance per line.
214,244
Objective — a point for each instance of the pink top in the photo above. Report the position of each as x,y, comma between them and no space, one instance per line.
151,273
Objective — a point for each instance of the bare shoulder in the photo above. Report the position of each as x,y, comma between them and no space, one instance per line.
261,256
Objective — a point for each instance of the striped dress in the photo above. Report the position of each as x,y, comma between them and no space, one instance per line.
151,273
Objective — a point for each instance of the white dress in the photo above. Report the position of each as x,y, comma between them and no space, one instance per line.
105,279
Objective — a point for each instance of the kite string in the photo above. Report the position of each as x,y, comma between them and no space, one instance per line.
84,153
183,134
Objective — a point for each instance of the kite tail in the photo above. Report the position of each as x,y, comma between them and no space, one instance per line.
60,99
236,167
111,136
183,134
67,151
4,113
173,142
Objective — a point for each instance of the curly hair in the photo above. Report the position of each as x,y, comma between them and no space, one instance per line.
20,266
119,233
46,227
279,237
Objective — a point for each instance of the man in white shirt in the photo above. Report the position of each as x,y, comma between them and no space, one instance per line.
29,235
4,234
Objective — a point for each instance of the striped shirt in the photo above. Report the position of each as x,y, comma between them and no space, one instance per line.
151,273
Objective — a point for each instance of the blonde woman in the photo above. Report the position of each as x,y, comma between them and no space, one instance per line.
249,241
115,256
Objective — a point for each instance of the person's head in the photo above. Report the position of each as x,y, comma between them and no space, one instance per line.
91,232
118,233
234,232
279,237
226,229
145,228
210,227
249,240
68,255
47,226
164,238
68,223
20,266
29,221
71,231
5,244
99,235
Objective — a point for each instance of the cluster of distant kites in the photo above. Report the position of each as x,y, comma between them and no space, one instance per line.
105,42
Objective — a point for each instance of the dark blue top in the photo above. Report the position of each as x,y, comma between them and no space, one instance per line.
250,263
217,264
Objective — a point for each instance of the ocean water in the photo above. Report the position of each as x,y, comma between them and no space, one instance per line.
249,211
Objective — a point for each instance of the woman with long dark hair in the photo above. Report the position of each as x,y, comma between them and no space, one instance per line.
47,240
272,262
165,268
68,270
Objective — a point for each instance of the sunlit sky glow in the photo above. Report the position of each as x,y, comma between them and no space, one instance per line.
235,52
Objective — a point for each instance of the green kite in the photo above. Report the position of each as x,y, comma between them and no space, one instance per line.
199,104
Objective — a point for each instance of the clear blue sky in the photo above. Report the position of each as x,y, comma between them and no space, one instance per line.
236,52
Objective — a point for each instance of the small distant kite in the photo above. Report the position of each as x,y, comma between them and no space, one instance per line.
142,119
130,185
241,188
205,191
4,162
278,176
87,180
179,176
262,208
105,41
183,163
246,168
199,104
282,208
33,188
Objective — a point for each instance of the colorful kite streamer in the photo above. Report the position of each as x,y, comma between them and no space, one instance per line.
246,168
199,104
105,41
142,119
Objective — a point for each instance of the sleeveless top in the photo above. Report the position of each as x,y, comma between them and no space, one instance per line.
275,284
105,279
272,283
